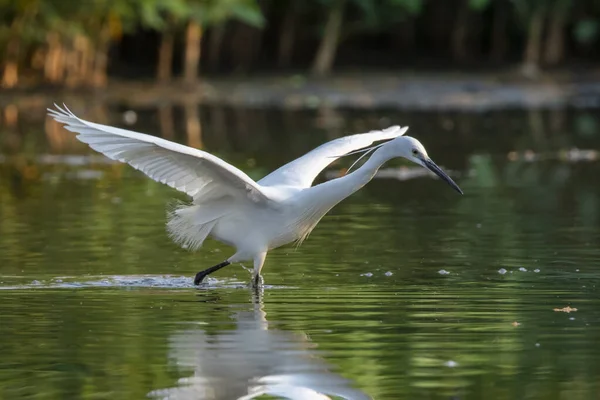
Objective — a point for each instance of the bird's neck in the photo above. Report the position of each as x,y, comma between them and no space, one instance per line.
367,171
338,189
321,198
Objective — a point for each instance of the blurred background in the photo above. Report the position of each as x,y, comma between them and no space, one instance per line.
405,290
179,59
59,43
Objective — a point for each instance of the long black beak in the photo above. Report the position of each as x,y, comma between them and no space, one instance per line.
443,176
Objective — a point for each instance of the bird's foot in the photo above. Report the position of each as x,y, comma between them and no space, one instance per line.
200,277
257,281
256,285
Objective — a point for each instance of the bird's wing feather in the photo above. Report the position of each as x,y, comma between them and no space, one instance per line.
194,172
303,171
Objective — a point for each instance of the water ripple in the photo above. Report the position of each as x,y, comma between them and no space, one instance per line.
129,281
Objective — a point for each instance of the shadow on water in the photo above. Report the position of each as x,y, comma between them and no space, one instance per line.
252,360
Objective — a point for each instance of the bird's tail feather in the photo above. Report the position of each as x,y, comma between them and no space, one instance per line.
189,225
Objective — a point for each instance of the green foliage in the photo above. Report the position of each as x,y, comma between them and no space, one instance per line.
246,11
369,10
378,15
412,6
381,6
479,5
36,22
214,12
586,30
31,21
68,18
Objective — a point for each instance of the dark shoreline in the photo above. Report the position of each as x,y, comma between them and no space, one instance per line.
449,92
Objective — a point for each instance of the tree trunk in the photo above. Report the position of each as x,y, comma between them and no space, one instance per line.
531,58
100,76
11,116
555,42
193,41
86,56
287,36
10,75
329,43
499,46
54,64
70,61
214,46
164,70
459,33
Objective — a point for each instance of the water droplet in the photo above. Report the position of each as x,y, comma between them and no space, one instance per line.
367,274
522,269
443,272
451,364
389,273
502,271
536,270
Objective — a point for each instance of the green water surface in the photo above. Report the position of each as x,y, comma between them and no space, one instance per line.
405,290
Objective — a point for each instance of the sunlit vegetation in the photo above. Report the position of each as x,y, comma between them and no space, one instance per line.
69,43
73,44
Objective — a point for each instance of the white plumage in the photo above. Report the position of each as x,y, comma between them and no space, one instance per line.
227,204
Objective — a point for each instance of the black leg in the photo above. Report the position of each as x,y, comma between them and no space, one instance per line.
203,274
257,281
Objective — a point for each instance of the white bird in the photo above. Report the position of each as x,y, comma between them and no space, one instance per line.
250,361
254,217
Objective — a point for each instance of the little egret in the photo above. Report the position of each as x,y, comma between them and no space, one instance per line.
254,217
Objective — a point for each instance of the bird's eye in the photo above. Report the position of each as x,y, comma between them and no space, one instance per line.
415,152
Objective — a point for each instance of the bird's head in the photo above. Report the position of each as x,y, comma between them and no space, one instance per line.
411,149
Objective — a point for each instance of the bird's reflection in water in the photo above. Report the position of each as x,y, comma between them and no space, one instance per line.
251,361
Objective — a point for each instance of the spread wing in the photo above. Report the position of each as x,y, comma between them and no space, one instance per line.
303,171
194,172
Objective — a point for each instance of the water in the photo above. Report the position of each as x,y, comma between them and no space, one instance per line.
405,290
